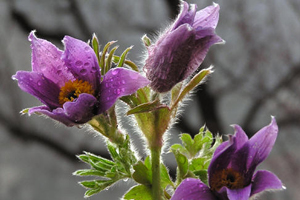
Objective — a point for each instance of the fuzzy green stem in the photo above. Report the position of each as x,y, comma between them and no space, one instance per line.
155,161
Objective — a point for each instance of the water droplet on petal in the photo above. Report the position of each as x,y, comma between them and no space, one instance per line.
123,82
115,72
43,66
125,179
86,48
111,80
94,69
134,75
123,89
78,63
83,71
39,83
58,72
30,79
107,98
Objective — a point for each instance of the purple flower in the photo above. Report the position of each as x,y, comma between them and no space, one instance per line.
181,49
69,84
232,173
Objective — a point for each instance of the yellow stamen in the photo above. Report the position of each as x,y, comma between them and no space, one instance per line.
72,89
227,177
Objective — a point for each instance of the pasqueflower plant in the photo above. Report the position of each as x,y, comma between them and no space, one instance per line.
83,85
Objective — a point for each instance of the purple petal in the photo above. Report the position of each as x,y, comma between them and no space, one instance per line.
185,16
239,194
222,159
240,135
207,17
57,114
72,113
193,189
81,61
169,57
39,86
199,53
81,110
262,143
46,59
119,82
265,180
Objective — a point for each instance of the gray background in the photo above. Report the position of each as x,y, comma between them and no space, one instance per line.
256,76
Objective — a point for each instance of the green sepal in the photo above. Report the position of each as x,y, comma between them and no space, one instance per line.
139,192
196,80
146,40
145,107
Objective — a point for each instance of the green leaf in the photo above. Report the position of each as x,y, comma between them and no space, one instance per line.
95,45
103,56
187,141
196,80
179,148
202,175
197,164
88,172
145,107
182,163
109,59
142,174
96,186
138,192
165,177
113,151
123,57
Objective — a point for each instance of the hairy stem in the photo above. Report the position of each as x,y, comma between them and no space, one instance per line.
155,162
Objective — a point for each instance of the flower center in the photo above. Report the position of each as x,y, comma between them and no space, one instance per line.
228,178
72,89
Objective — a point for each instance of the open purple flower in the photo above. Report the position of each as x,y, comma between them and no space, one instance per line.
232,173
69,82
181,49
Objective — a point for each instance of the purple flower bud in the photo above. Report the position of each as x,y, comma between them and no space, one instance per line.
69,84
181,49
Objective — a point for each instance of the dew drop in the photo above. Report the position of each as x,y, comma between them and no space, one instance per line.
125,179
39,83
115,72
58,72
134,76
43,66
30,79
123,82
123,89
77,117
86,48
78,63
111,80
83,71
107,98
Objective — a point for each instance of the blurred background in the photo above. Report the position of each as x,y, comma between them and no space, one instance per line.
257,74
